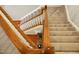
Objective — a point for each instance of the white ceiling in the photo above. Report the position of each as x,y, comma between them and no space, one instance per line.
18,11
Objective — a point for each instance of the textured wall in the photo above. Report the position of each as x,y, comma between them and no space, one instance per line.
74,13
18,11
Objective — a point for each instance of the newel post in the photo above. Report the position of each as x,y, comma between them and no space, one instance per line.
46,41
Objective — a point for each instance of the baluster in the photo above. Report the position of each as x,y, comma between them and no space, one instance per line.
36,20
27,26
30,23
39,19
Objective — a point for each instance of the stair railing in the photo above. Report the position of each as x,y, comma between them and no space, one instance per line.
32,20
39,17
16,35
19,38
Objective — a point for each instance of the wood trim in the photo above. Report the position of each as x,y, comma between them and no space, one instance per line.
0,24
45,30
17,23
46,42
34,38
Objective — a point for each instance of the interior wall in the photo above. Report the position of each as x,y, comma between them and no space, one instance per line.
18,11
74,13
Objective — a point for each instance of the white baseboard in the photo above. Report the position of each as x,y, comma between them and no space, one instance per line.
69,19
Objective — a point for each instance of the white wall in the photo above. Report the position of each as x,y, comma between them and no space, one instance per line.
18,11
74,13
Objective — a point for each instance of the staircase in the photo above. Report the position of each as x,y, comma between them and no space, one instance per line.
22,41
63,35
6,46
56,27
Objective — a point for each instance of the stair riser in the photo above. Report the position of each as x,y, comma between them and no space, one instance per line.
59,52
64,39
58,22
64,33
57,19
66,46
61,29
60,25
56,14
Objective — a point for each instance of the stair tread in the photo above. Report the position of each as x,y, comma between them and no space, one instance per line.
63,36
57,52
58,21
65,39
63,33
60,25
61,29
66,46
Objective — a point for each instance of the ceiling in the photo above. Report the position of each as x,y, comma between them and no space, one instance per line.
18,11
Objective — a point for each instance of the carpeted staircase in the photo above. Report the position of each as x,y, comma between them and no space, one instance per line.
63,35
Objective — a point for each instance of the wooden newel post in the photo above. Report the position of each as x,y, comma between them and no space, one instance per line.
45,6
46,41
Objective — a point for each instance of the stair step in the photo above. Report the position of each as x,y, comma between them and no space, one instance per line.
60,25
58,13
64,33
69,47
57,19
66,52
64,39
58,22
61,29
